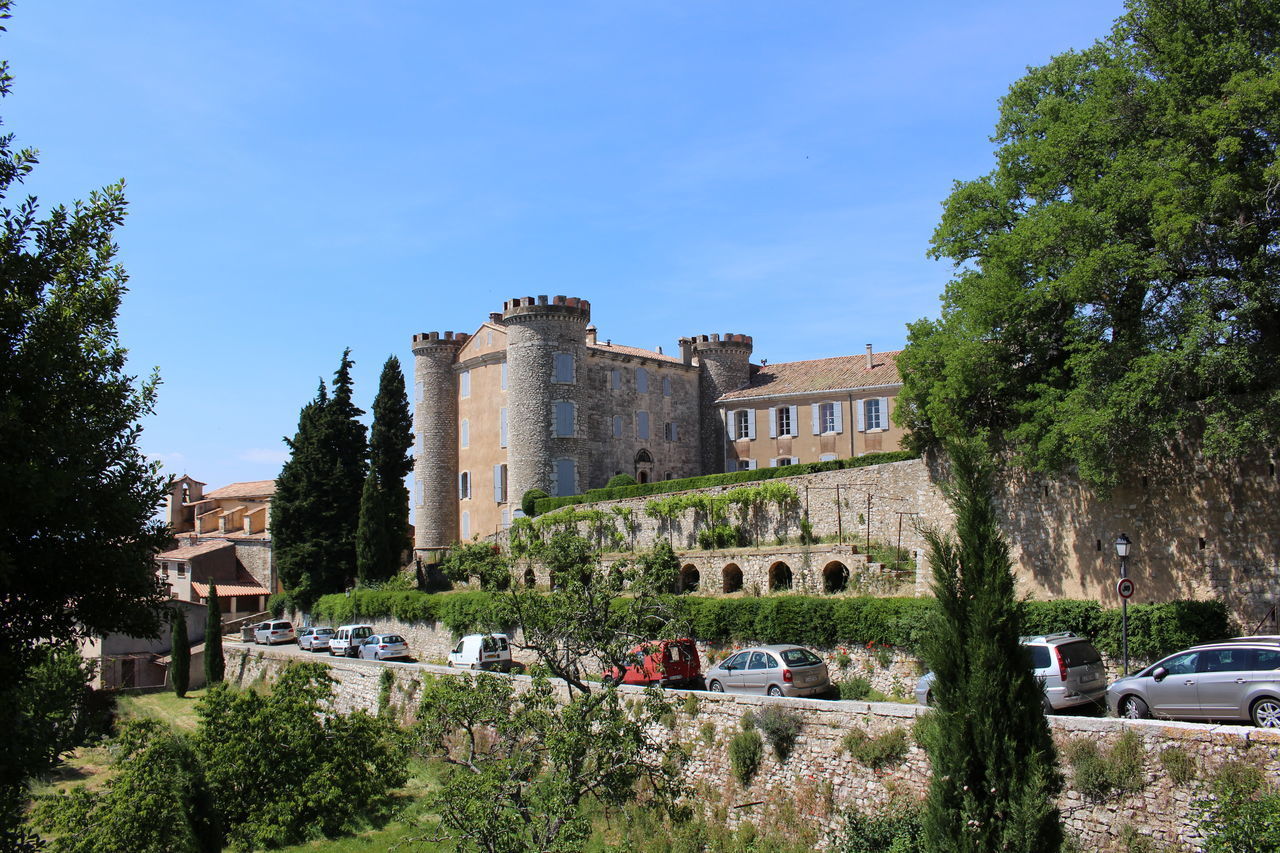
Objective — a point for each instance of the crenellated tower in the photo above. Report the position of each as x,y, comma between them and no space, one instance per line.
435,424
546,368
724,365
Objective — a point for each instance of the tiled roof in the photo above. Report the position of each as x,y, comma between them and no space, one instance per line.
224,590
634,351
255,489
186,551
842,373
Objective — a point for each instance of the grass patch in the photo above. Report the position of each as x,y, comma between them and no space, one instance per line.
178,713
874,752
1099,774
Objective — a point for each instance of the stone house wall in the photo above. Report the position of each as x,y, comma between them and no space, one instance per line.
819,779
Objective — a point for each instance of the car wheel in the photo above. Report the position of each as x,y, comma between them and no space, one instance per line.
1044,704
716,687
473,667
655,683
928,698
1266,713
775,690
1134,708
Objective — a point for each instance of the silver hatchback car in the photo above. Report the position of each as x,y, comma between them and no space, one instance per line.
776,670
1231,680
1068,665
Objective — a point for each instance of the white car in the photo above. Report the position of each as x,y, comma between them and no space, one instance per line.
384,647
278,631
482,651
347,639
315,639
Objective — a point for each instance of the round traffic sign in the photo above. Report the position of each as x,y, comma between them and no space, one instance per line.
1125,588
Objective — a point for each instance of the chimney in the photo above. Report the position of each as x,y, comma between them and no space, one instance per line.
686,350
591,334
870,361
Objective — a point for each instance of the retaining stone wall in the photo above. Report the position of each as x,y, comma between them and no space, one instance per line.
818,781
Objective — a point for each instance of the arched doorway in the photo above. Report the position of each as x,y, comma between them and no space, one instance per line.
779,577
643,466
835,577
529,578
642,477
689,578
731,578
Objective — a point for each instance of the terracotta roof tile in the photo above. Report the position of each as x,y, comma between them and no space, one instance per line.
842,373
254,489
634,351
186,551
225,589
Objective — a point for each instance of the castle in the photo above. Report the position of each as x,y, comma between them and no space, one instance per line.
535,400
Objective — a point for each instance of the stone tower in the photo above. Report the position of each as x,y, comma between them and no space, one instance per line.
435,423
540,335
724,366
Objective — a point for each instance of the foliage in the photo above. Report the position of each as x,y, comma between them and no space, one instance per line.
746,749
481,561
215,662
1099,773
53,709
895,828
1117,269
157,801
994,779
618,481
278,603
384,515
857,687
1155,630
1243,816
781,727
876,751
284,767
646,831
529,502
1179,765
317,501
547,504
386,681
77,532
180,652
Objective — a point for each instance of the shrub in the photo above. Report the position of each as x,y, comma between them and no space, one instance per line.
875,752
691,705
619,481
529,502
1178,765
855,688
278,603
1243,816
894,829
708,732
1099,774
781,727
745,751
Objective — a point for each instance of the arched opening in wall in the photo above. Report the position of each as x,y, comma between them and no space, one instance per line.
689,578
642,477
731,578
779,577
835,577
553,580
529,578
643,464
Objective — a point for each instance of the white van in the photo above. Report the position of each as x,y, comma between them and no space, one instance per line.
347,639
482,651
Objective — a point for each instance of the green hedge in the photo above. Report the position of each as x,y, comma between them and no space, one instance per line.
820,621
711,480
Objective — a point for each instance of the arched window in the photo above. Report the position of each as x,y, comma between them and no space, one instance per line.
464,485
779,577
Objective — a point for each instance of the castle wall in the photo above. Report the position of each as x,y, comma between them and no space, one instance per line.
724,366
435,427
483,359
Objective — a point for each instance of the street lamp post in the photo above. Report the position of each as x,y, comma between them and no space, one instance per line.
1122,551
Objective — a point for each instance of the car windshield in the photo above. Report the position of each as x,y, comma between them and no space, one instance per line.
1079,654
800,657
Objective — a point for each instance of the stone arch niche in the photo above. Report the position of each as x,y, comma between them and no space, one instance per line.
835,577
690,577
731,578
779,577
643,466
529,577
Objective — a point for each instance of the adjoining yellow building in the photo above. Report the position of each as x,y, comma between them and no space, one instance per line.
536,399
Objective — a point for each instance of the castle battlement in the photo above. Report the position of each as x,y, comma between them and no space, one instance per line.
559,307
730,340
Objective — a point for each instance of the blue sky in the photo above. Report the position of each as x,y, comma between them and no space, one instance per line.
305,177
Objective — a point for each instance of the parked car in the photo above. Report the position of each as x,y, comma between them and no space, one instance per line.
315,639
384,647
277,631
1068,666
777,670
1231,680
347,639
662,663
482,651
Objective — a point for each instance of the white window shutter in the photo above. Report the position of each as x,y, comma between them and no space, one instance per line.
462,479
502,427
555,479
862,415
751,464
773,423
817,427
751,423
773,463
497,484
795,420
884,412
839,410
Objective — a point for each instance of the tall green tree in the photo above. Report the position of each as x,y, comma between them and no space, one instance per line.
77,532
317,502
215,662
180,653
371,533
1119,270
390,439
994,778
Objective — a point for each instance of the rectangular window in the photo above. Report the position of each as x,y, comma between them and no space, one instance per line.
502,427
642,424
670,431
464,485
742,423
827,457
506,519
617,426
746,464
464,384
666,386
827,417
564,419
784,420
421,390
563,368
615,378
562,478
464,433
504,376
500,484
873,417
466,526
182,569
642,381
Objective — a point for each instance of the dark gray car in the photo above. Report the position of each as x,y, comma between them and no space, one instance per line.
778,670
1232,680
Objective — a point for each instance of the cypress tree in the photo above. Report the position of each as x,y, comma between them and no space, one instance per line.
994,768
345,438
390,439
180,656
215,663
372,533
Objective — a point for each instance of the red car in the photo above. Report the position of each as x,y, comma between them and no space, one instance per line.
662,663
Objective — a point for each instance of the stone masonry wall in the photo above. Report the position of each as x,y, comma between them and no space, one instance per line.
819,779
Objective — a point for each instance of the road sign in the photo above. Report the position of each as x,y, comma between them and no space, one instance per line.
1125,588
